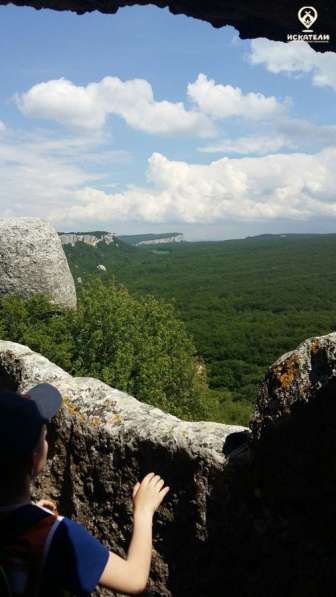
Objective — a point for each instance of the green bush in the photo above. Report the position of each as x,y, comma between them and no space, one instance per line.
136,345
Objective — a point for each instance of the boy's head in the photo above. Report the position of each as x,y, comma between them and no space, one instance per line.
23,445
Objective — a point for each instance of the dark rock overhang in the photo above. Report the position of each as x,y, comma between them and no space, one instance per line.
252,18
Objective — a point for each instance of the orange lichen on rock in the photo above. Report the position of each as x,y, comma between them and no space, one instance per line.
72,409
114,419
287,372
95,421
315,345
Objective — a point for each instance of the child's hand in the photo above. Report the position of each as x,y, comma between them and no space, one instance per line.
148,495
48,504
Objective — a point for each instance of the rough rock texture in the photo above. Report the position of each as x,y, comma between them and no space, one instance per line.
102,442
252,18
253,516
296,410
32,260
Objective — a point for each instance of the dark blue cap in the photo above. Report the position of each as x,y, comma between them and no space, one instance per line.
22,417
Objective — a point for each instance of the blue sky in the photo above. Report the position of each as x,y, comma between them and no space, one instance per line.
143,121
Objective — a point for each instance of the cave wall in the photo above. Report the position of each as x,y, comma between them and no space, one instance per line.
252,18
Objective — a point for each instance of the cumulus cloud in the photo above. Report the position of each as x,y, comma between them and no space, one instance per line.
48,176
2,126
258,145
287,133
88,107
296,186
295,57
223,101
40,172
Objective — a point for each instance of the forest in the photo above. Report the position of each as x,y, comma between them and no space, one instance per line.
244,302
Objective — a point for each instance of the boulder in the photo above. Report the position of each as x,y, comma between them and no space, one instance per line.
32,260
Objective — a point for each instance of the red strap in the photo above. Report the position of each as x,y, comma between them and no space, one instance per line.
29,547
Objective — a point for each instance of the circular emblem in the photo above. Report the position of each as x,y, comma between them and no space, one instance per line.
307,16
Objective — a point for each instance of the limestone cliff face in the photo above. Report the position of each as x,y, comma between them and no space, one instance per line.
89,239
252,515
177,238
32,260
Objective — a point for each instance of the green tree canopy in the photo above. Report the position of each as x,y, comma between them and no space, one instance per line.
136,345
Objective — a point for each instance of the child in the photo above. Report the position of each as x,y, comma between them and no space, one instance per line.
43,554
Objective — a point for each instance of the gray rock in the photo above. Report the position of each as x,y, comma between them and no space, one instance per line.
293,380
103,441
246,515
32,260
71,238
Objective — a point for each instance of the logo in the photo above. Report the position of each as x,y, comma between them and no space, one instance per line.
307,16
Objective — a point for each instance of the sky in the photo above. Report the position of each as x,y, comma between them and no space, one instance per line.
147,122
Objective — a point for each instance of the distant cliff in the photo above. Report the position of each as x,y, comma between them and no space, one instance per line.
89,238
153,239
161,241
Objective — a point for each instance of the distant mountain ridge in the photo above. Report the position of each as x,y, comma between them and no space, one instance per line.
153,239
100,236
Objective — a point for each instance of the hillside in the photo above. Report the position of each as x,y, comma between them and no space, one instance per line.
86,254
245,302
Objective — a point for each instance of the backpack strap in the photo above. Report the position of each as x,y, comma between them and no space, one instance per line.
46,548
5,589
25,541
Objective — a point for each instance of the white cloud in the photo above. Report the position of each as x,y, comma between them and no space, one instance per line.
41,172
2,126
258,145
295,57
88,107
41,176
287,133
296,186
223,101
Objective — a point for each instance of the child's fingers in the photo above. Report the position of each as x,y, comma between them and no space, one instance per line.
135,489
155,480
147,479
164,492
159,484
47,504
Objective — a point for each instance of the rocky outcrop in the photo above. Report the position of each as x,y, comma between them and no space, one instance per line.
252,18
176,238
296,411
32,260
69,238
103,441
249,515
